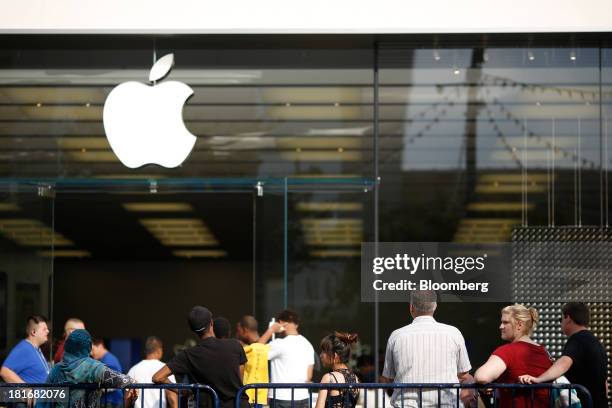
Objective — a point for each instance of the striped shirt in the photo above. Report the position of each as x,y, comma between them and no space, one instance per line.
425,351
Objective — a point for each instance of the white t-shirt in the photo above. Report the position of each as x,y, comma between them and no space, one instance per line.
289,360
143,374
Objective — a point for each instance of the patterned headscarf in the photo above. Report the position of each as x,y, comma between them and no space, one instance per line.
76,365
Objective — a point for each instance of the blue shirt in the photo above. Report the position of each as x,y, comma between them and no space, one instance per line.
112,362
28,362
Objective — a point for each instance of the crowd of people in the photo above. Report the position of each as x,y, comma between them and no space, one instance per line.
424,351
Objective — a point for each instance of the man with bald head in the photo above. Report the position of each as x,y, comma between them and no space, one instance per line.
71,325
256,368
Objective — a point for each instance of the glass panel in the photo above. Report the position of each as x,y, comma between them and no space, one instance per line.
28,242
256,112
270,293
154,255
308,241
326,225
479,139
606,98
261,112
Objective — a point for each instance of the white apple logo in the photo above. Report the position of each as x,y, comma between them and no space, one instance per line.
144,124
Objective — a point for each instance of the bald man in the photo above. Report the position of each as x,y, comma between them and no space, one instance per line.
71,325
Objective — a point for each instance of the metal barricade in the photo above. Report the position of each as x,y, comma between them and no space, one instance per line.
182,390
420,395
52,395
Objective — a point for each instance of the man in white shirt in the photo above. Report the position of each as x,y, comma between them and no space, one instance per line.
143,373
426,351
291,361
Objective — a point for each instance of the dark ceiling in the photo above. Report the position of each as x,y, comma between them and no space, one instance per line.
98,223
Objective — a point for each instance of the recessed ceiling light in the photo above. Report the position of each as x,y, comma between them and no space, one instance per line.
158,207
180,231
329,206
499,207
355,131
64,253
31,232
321,156
93,156
199,253
9,207
336,253
332,231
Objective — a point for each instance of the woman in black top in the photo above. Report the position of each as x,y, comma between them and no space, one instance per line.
335,354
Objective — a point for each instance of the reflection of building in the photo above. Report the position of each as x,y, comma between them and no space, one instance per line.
471,135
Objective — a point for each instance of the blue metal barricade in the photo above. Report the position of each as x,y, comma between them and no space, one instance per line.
422,395
192,391
425,395
61,395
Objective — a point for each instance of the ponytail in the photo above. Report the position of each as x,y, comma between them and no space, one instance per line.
339,344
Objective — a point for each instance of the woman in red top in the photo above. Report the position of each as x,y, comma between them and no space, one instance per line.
521,356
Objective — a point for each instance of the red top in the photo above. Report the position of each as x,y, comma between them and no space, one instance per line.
59,352
522,358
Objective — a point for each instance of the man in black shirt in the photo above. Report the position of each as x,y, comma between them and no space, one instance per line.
218,363
583,361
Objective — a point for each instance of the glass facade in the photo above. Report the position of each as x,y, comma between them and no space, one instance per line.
306,147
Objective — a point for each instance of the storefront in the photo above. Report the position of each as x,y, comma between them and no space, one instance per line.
307,145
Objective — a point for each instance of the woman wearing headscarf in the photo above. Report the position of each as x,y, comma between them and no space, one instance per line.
77,367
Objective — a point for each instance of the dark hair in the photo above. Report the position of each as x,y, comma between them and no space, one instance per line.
578,312
97,341
339,344
288,316
32,322
221,327
248,322
152,344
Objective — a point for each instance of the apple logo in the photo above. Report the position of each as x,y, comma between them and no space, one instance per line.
144,124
